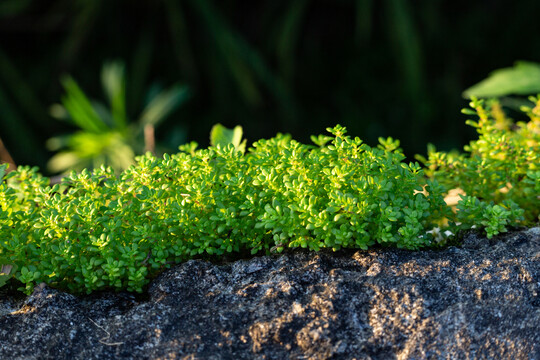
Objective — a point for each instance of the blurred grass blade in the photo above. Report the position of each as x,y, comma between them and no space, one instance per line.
114,86
276,86
363,22
406,45
289,37
245,62
13,7
163,104
179,34
82,23
522,79
80,109
140,65
15,131
228,44
18,87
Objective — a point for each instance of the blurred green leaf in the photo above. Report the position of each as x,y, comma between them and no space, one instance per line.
114,85
80,109
522,79
163,104
58,142
65,160
90,150
104,137
515,103
106,115
220,135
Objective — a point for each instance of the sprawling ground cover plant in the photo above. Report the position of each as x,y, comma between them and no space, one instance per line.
98,231
499,173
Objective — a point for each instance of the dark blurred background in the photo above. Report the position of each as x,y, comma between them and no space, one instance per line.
381,68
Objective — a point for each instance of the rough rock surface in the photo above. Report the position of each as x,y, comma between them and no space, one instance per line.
476,301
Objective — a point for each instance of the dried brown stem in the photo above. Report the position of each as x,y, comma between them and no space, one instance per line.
5,157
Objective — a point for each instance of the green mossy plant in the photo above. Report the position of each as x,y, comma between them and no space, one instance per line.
101,231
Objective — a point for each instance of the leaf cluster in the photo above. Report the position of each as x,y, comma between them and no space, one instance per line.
499,173
101,230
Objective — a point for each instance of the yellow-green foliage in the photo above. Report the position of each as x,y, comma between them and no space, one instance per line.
98,231
499,170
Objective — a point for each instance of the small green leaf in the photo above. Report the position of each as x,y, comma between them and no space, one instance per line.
3,171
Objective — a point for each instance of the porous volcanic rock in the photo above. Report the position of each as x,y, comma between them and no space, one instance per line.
479,300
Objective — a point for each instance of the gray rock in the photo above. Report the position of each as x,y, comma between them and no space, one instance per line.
476,301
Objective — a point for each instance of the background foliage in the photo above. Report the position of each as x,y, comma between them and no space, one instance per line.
380,68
